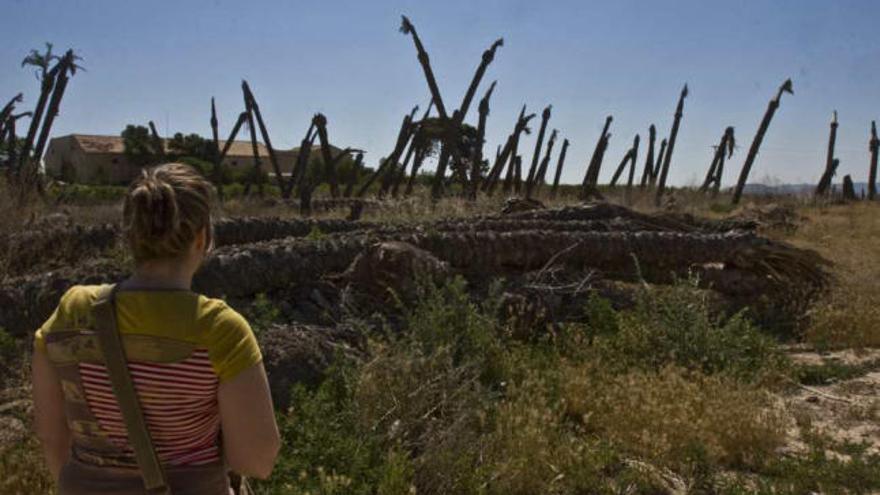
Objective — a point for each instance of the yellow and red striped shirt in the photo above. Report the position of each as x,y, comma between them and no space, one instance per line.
180,347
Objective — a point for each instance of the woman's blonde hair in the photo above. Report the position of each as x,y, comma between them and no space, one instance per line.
165,208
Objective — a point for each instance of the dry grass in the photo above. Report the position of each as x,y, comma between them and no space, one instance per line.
848,236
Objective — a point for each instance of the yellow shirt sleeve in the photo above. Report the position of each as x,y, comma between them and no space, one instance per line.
232,345
68,312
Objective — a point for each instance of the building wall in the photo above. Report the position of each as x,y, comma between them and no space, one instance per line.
65,160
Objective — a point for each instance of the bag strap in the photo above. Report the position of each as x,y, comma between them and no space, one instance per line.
104,311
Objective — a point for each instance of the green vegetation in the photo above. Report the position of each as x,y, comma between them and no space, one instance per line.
661,397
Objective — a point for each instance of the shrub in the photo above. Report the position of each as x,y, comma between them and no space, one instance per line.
676,326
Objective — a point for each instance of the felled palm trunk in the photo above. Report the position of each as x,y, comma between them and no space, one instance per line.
536,156
759,137
242,271
555,189
255,108
822,188
873,146
649,158
673,134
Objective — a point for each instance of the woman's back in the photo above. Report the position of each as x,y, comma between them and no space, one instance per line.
180,346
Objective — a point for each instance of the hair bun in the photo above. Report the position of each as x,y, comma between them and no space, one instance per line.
164,210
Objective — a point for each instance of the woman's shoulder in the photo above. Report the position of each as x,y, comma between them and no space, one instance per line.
76,302
232,345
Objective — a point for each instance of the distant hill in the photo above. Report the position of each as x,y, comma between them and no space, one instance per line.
797,189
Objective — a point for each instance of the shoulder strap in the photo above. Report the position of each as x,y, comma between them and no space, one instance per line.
104,311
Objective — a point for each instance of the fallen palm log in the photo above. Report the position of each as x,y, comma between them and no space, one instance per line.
240,271
663,221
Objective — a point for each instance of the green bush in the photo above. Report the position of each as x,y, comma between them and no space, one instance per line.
676,326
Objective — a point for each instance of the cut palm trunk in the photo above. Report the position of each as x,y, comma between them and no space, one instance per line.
591,176
759,137
873,146
555,189
667,158
536,155
649,158
540,176
255,108
822,188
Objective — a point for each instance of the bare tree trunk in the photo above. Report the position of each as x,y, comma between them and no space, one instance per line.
540,176
849,190
825,182
873,145
829,159
591,176
417,164
48,84
656,172
320,122
508,154
158,143
545,117
215,136
559,165
402,138
488,56
258,169
627,157
632,165
667,159
407,27
649,158
517,174
255,108
759,137
300,167
477,158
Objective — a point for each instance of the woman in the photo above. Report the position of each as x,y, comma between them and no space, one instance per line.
194,361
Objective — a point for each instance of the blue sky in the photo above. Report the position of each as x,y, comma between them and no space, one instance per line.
163,60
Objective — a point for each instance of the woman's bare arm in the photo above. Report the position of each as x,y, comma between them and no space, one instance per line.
50,422
250,435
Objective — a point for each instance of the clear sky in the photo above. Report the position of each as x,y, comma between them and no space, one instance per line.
163,60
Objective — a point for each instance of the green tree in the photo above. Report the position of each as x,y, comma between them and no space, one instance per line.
139,148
